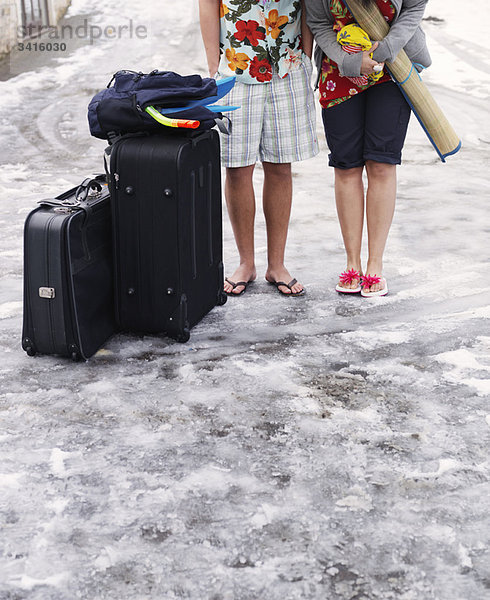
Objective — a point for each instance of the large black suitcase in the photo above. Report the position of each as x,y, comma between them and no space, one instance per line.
166,199
68,274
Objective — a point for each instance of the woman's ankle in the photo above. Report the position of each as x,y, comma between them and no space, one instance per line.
374,267
354,263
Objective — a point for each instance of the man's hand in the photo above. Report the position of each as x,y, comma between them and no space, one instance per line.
368,64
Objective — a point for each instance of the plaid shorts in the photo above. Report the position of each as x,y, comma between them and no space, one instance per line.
276,121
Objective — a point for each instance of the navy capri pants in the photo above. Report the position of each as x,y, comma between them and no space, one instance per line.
372,125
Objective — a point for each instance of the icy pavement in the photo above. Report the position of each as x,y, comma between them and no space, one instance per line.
315,448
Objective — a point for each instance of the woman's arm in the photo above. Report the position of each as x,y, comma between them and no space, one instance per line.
321,22
401,31
210,28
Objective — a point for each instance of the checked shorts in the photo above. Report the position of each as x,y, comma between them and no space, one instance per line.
275,122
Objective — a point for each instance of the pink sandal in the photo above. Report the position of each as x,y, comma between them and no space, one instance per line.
348,277
368,280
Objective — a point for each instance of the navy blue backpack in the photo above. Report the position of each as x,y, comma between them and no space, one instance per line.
122,108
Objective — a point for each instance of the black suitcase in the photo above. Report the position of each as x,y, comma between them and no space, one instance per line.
166,199
68,274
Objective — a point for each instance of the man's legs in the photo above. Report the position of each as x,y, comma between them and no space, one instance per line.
240,200
289,135
277,124
277,199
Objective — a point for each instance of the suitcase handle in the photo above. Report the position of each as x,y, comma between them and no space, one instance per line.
81,193
85,188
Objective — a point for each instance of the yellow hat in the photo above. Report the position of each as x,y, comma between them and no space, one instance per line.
353,35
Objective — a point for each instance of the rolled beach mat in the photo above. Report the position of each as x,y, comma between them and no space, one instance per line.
435,124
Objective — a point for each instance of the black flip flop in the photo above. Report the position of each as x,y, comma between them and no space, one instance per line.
235,285
288,285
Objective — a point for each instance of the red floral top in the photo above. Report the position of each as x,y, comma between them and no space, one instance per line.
335,88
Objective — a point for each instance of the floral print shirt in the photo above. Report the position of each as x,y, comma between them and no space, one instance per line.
259,37
333,87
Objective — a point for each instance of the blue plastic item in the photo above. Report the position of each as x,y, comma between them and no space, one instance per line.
219,108
224,86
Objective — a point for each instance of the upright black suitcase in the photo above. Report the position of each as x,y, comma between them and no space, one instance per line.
68,275
166,199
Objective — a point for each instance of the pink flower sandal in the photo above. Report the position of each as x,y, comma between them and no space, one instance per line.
367,281
347,277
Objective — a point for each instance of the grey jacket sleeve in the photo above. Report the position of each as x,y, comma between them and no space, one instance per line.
401,30
320,21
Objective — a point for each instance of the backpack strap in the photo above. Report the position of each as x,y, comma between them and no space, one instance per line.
223,124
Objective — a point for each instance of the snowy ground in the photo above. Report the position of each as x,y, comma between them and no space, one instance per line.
311,448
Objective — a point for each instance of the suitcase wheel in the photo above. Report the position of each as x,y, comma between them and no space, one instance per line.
74,353
222,298
29,347
184,335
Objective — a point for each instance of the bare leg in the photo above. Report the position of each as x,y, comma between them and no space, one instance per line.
349,197
277,199
240,200
380,207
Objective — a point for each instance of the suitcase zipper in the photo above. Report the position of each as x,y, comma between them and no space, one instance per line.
209,200
193,224
48,279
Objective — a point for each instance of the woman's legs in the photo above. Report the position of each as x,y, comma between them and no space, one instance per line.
380,207
344,126
377,122
349,198
387,117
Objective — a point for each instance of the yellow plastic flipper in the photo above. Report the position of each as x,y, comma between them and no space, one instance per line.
153,112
